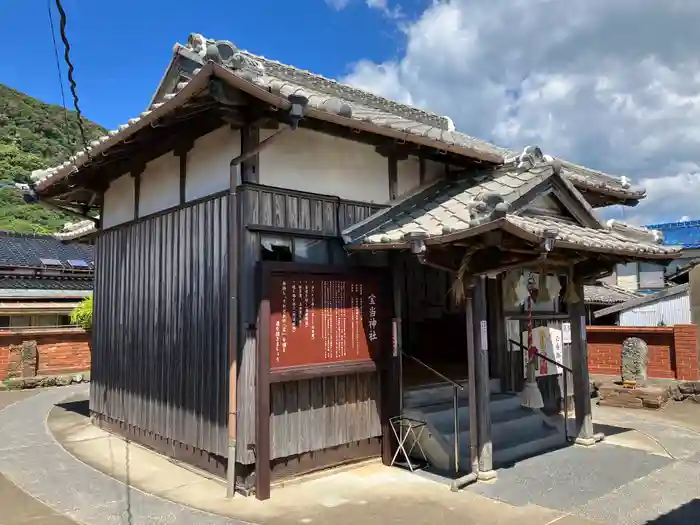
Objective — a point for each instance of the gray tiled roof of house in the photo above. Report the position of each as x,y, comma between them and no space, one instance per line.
332,100
448,207
603,293
45,283
23,250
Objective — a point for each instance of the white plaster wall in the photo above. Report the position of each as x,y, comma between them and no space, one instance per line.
434,170
160,185
208,162
310,161
118,202
408,175
303,160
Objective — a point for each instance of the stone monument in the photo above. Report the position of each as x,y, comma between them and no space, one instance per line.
634,362
632,392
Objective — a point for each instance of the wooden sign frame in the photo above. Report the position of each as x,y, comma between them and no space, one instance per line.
266,375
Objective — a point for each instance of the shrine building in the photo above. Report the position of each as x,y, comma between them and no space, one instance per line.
293,274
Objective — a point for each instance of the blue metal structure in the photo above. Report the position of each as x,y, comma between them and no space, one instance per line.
685,234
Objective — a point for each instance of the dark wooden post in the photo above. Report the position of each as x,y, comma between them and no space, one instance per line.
483,393
579,365
391,376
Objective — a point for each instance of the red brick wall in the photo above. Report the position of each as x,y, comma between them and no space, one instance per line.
60,350
673,352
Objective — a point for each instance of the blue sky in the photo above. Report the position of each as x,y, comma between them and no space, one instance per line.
121,48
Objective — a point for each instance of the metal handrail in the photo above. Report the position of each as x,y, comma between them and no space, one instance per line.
455,403
428,367
566,389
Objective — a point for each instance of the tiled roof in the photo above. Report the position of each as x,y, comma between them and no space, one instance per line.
76,230
478,203
328,100
604,240
643,300
44,283
453,205
27,250
603,293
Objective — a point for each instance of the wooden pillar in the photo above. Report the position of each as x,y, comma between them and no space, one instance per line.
483,394
579,365
497,329
391,375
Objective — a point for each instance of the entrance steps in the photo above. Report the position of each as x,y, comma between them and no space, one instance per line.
516,432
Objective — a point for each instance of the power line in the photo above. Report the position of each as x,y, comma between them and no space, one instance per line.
58,69
71,80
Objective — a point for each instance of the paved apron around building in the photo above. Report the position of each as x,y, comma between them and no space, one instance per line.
33,461
650,475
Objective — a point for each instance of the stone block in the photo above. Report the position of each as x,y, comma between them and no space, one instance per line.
640,397
689,387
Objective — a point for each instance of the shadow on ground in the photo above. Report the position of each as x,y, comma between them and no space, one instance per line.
686,514
80,407
609,430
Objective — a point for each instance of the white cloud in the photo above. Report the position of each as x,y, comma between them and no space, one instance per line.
338,5
611,85
393,12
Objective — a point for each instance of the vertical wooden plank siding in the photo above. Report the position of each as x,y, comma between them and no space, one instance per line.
323,412
159,356
303,212
297,408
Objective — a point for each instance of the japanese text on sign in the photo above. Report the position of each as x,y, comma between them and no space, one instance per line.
317,319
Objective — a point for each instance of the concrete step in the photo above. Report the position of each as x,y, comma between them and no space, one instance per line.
516,432
440,393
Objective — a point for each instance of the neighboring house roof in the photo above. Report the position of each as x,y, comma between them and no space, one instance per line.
45,283
641,301
604,293
328,100
76,230
21,250
457,207
682,271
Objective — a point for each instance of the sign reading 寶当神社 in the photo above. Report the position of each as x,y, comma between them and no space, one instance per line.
325,318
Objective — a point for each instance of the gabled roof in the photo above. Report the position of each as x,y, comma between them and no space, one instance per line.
646,299
21,250
329,100
604,293
496,199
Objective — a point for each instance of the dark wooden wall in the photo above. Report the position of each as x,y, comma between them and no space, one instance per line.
159,355
320,413
311,414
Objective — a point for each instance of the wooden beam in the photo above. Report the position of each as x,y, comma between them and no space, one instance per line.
579,365
148,144
391,375
250,139
408,148
483,394
421,171
136,175
393,171
181,152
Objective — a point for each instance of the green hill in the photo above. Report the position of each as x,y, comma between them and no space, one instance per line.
33,135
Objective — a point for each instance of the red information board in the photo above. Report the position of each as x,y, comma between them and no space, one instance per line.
324,318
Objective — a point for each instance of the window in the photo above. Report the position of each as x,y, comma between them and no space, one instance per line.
311,251
636,276
275,248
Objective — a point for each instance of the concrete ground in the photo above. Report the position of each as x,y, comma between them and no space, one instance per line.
16,506
646,472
